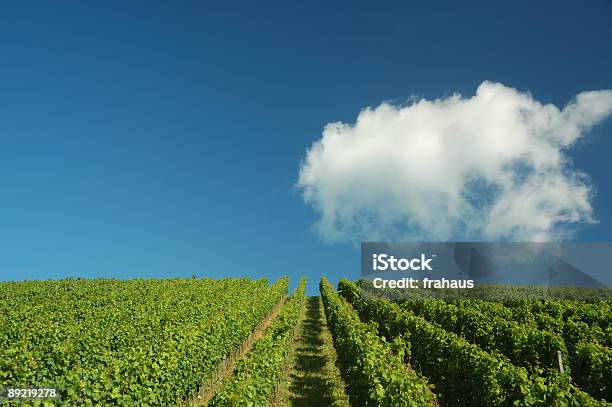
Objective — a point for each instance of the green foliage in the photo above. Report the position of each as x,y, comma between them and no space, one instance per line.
524,345
136,342
594,369
256,375
464,374
584,328
526,325
373,369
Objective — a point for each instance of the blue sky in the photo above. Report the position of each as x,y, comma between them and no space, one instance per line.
159,140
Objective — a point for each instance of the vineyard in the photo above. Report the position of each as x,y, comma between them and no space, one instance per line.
139,342
243,342
478,353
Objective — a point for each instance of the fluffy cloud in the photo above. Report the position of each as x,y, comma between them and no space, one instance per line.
489,167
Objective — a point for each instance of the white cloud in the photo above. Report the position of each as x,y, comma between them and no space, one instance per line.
488,167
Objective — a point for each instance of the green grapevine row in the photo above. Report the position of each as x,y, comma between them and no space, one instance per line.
256,375
464,374
373,369
588,345
575,320
523,345
572,330
592,313
537,327
593,369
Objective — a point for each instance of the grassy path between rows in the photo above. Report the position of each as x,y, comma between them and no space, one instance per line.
311,377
